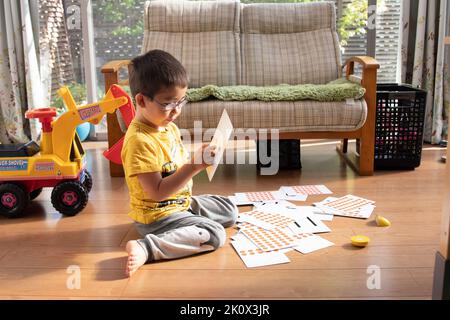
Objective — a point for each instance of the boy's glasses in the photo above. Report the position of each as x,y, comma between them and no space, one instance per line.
173,105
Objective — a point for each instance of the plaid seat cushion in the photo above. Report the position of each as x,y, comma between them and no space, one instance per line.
296,116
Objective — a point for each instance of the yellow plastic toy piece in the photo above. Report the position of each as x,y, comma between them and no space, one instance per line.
64,127
360,241
382,221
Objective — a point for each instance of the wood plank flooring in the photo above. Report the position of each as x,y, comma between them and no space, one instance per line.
37,250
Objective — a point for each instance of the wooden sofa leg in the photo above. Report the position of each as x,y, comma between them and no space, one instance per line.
366,157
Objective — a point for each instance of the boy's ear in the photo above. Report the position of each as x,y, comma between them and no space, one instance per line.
139,98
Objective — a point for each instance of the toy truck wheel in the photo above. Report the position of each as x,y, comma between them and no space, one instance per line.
87,183
69,197
13,200
34,194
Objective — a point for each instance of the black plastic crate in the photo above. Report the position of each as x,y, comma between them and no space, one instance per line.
400,118
289,153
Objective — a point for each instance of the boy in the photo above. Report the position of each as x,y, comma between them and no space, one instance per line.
173,223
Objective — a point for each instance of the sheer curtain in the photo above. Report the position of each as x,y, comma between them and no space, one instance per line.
425,61
20,82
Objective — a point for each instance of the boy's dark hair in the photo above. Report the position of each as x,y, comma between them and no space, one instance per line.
155,70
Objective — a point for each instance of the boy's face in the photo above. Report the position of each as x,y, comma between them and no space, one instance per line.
156,112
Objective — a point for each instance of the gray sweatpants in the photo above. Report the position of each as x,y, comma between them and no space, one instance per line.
185,233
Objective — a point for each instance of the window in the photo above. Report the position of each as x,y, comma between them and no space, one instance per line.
118,33
387,38
119,30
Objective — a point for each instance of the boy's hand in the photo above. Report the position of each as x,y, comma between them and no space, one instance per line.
204,156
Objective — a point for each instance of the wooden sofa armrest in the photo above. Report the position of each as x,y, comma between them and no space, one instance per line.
111,72
114,65
368,79
369,82
365,61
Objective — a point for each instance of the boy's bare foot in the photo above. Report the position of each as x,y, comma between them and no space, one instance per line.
136,257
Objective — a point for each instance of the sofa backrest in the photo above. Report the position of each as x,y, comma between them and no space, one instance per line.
293,43
228,43
204,36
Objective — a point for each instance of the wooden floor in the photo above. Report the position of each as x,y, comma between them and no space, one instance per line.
37,250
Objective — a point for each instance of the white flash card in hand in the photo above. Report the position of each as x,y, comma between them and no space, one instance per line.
255,257
313,243
220,140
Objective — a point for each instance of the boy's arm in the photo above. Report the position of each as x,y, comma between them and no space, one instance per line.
159,188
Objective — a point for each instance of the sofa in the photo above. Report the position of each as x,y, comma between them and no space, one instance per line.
227,43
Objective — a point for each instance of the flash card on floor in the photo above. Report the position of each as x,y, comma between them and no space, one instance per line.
316,212
283,207
239,203
269,240
266,220
220,140
308,224
244,241
258,196
325,209
274,206
243,225
258,219
306,190
255,257
349,206
291,195
312,243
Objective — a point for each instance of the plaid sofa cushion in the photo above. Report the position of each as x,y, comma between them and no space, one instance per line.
227,43
287,116
204,36
293,43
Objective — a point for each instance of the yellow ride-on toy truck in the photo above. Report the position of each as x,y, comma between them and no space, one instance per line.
59,162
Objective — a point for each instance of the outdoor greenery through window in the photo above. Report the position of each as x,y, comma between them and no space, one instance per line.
118,26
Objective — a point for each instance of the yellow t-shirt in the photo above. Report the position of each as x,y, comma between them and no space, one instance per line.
145,150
